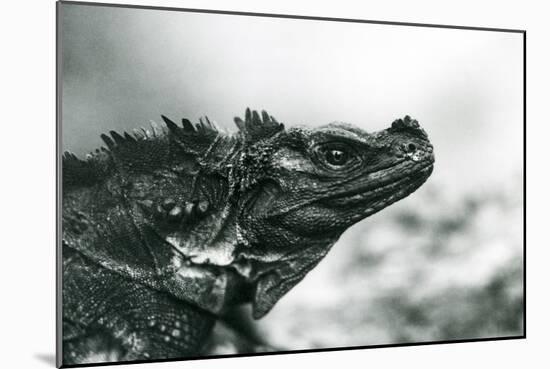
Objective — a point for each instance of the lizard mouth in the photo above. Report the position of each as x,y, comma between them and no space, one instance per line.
382,193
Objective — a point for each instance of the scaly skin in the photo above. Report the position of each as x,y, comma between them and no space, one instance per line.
163,232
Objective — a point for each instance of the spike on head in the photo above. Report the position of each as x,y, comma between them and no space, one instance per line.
256,118
173,127
240,124
138,134
265,117
155,128
128,137
255,128
117,137
108,141
205,124
146,133
187,125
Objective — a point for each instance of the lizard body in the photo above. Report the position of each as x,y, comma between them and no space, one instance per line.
165,230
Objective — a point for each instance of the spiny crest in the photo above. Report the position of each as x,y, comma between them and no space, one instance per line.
256,128
204,126
70,157
155,145
116,139
76,171
193,136
70,160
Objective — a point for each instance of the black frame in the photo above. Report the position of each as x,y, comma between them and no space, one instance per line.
59,344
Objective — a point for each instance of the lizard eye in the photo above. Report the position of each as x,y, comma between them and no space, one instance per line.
336,157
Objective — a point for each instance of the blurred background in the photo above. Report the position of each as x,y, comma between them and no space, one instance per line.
444,263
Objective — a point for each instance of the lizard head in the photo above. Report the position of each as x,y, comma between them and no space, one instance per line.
304,187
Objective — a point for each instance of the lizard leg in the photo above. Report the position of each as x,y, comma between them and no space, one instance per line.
107,317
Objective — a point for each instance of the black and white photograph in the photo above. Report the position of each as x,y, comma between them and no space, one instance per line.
236,184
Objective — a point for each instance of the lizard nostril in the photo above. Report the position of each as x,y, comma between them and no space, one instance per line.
411,147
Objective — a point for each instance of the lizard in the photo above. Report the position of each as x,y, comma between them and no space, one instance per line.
164,229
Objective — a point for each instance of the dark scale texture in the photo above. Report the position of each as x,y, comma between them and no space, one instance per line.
111,317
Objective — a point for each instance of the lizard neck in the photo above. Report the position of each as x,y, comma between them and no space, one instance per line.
212,240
